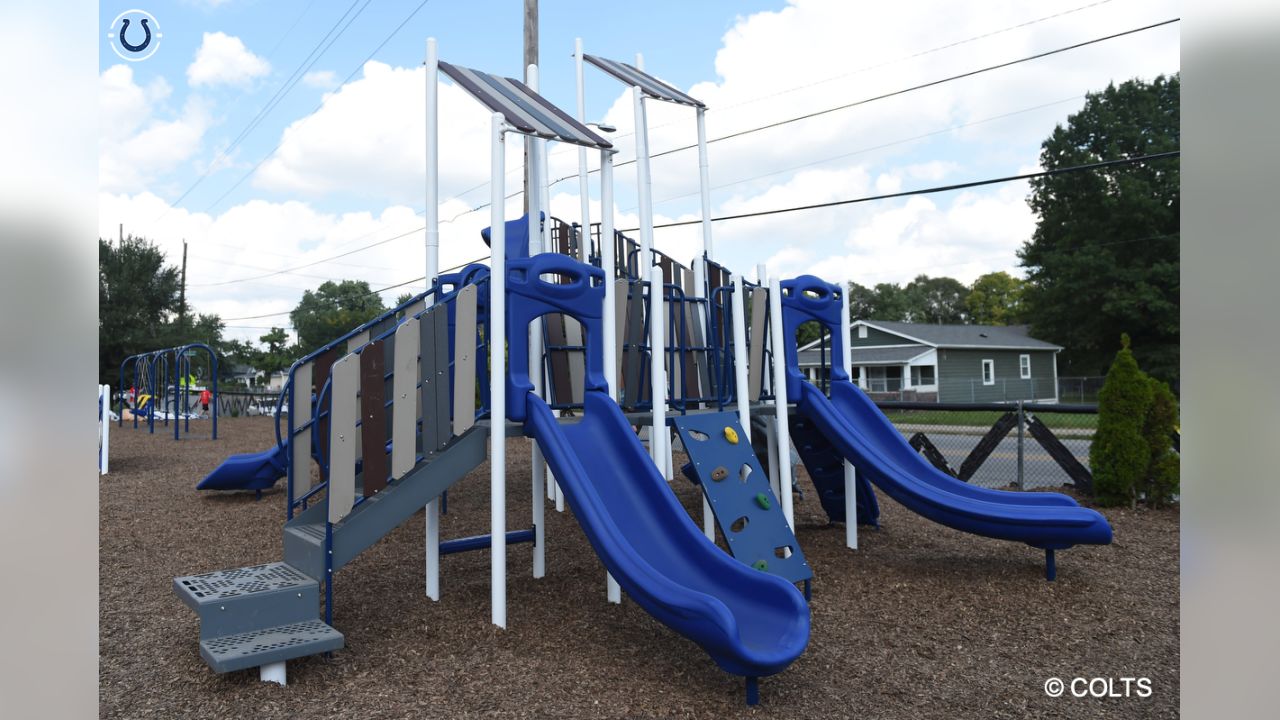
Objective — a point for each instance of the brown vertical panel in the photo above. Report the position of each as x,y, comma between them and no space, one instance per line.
323,367
443,420
431,385
373,417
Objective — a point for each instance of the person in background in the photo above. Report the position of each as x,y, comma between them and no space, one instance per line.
205,398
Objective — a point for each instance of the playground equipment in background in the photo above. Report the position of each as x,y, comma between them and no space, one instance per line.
104,427
399,409
163,385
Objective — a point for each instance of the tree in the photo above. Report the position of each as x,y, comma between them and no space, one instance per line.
276,355
137,293
1119,454
889,303
861,302
1159,425
995,299
403,298
937,300
1104,255
333,309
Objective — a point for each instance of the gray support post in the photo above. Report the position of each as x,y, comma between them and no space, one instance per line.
1022,485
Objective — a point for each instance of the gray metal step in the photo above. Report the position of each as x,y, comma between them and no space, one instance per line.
304,547
269,645
249,598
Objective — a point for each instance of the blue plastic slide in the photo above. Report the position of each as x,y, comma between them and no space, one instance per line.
750,622
251,471
852,423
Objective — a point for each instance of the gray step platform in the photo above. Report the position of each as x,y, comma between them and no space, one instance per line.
269,645
241,600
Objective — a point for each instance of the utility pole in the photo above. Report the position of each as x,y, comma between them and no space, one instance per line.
182,292
121,233
530,58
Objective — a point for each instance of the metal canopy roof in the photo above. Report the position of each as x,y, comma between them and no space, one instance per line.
648,84
524,109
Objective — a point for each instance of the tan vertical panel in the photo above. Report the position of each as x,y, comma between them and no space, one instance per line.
464,362
344,410
358,341
300,442
404,415
755,368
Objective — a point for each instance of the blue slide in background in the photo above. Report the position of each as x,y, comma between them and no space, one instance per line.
750,622
852,423
250,471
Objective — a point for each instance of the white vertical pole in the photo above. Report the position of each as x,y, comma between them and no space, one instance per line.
431,525
742,393
643,185
433,161
609,323
537,244
762,275
704,183
273,672
701,314
498,371
104,425
658,378
762,279
584,194
850,486
780,399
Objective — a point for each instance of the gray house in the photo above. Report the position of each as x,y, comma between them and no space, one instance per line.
946,363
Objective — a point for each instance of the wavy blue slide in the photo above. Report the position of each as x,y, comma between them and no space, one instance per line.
750,622
852,423
249,471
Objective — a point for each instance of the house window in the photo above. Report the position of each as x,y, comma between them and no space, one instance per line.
1024,367
923,375
862,332
988,372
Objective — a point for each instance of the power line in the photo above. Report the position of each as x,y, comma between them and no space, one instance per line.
881,146
311,114
931,190
310,264
779,123
285,88
913,88
371,292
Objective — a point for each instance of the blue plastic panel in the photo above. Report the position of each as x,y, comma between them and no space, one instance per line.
748,513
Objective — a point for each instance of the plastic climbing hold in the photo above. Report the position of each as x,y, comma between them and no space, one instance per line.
763,501
761,565
719,473
731,435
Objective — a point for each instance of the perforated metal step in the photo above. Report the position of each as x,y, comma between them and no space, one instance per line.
269,645
249,598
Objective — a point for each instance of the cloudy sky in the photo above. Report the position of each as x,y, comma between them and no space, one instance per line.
284,140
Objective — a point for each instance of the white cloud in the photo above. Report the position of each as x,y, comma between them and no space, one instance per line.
321,79
224,60
135,146
368,140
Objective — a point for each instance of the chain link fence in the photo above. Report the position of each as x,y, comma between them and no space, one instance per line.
995,445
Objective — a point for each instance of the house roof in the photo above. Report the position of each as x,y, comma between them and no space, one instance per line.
868,356
1011,337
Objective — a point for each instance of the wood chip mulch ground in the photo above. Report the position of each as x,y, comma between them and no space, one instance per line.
920,622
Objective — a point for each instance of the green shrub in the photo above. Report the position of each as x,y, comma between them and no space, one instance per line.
1119,456
1162,476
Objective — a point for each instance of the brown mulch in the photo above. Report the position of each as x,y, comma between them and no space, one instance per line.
920,622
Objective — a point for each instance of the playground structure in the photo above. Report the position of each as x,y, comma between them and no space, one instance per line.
104,428
163,384
399,409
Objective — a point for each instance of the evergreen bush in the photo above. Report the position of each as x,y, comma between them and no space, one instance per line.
1119,456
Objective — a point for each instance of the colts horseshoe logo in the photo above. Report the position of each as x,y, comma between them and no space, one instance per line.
118,33
124,39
